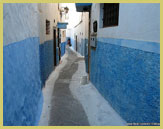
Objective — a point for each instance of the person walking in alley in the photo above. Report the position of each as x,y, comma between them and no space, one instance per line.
68,45
69,42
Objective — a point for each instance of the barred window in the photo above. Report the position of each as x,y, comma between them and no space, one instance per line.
110,14
47,27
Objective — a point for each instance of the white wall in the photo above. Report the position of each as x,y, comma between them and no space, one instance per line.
86,25
29,20
74,19
49,12
73,16
68,32
20,21
63,35
136,21
82,29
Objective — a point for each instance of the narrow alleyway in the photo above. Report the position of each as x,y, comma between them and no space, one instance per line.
65,109
68,103
116,45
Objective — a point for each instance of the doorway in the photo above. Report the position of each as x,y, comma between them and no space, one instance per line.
76,42
59,41
54,47
89,46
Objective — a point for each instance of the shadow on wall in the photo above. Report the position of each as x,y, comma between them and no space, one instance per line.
63,48
47,58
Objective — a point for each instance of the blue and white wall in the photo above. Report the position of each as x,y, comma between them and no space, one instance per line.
78,26
125,66
50,12
63,41
81,31
22,95
70,34
46,11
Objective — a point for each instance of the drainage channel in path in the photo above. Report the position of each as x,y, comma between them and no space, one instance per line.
65,109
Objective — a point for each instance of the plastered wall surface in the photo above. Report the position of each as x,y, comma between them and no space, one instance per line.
70,34
51,13
22,95
46,60
18,18
136,21
125,66
78,25
129,79
46,12
81,31
63,35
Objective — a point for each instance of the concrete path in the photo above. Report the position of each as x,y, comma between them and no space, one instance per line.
68,103
65,109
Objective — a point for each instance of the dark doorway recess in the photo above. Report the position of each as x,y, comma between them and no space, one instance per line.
54,44
76,42
59,42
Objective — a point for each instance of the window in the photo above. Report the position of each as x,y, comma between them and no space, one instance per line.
47,27
110,14
63,33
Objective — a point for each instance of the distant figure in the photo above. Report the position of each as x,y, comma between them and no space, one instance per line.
69,42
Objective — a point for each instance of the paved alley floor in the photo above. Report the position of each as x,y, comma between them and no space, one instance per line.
65,109
68,103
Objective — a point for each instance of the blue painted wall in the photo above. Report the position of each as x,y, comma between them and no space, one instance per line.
46,59
82,47
63,48
73,43
86,54
129,79
22,95
57,54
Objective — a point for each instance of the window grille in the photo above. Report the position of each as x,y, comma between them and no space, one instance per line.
110,14
47,27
